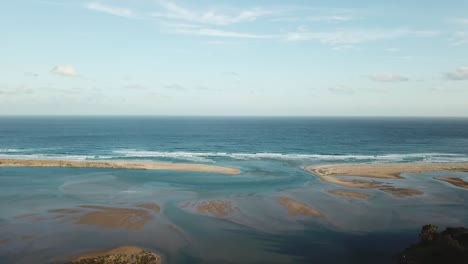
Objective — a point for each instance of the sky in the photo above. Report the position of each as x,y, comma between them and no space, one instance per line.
205,57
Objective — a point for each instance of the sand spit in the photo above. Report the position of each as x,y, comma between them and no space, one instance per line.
349,194
336,174
296,208
120,255
142,165
455,181
401,192
383,171
217,208
151,206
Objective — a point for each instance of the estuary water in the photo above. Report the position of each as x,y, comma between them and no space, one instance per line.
271,154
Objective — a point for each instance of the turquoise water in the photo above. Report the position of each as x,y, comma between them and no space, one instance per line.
270,152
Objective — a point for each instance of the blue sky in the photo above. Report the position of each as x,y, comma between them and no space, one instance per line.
161,57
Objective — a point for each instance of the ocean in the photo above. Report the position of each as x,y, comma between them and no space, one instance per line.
271,153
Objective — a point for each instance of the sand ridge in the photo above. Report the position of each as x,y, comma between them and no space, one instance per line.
296,208
217,208
337,173
135,165
349,194
455,181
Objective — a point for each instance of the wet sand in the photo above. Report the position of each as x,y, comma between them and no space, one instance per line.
151,206
455,181
401,192
217,208
142,165
107,217
296,208
127,254
349,194
336,174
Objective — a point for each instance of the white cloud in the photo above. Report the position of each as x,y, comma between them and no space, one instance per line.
211,16
461,74
112,10
65,70
356,36
196,30
387,78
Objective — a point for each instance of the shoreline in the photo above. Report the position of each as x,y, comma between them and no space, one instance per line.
132,165
337,174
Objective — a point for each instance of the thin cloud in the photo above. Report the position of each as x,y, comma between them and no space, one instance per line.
175,86
341,89
211,16
210,32
356,36
111,10
387,78
65,70
461,74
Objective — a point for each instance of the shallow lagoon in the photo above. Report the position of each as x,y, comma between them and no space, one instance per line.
350,231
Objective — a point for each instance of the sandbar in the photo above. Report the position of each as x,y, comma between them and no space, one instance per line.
401,192
297,208
107,217
217,208
3,241
135,165
455,181
336,174
349,194
127,254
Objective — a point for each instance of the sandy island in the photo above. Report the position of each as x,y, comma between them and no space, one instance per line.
217,208
333,174
455,181
297,208
349,194
126,254
135,165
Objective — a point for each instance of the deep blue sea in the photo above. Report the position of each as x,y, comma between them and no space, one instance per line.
271,153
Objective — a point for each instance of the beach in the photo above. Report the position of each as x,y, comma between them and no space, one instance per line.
133,165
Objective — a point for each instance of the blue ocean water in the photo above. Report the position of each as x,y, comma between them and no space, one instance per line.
271,154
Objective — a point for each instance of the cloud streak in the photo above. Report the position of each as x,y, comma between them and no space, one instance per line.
387,78
111,10
356,36
211,16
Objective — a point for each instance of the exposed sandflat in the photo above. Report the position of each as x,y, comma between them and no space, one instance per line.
296,208
331,173
136,165
349,194
455,181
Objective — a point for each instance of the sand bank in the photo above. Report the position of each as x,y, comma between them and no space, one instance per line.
455,181
401,192
296,208
135,165
336,174
349,194
217,208
126,254
107,217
